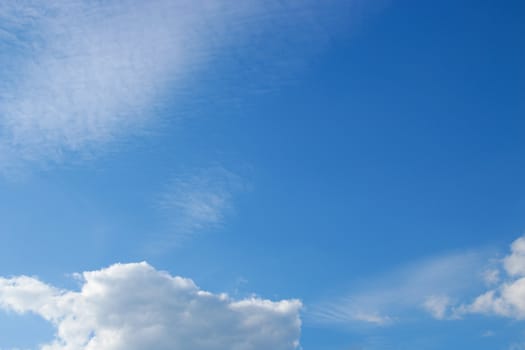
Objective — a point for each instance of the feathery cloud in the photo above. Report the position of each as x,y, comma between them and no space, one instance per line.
431,286
198,201
77,74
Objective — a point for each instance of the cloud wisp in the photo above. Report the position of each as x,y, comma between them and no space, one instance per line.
77,74
85,72
136,307
441,287
197,202
429,286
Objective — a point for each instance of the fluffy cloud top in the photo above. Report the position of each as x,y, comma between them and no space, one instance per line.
135,307
508,298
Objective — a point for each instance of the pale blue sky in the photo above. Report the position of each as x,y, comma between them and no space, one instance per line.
359,163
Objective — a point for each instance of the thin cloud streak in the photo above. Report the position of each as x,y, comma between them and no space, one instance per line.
439,287
196,202
426,286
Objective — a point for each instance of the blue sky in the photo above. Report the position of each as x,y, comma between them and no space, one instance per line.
344,175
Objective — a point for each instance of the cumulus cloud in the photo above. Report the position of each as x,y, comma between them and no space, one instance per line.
508,298
136,307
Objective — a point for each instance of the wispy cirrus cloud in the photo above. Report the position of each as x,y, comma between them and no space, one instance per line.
136,307
83,76
83,73
430,286
197,201
441,287
76,75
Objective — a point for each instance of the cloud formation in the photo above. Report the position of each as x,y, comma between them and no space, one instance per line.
198,201
84,73
439,287
78,74
135,307
430,286
508,297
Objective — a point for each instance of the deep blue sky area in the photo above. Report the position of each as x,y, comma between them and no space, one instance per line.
365,158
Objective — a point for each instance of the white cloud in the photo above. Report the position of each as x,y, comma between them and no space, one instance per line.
508,298
77,74
439,287
430,285
198,201
135,307
346,311
437,305
515,262
86,72
491,276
